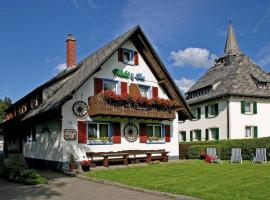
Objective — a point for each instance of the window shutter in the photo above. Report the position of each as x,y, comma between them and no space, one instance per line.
136,58
167,133
242,107
120,55
124,88
206,134
116,132
216,109
255,130
199,113
143,133
199,135
206,111
184,136
98,85
154,92
254,107
191,136
82,132
217,134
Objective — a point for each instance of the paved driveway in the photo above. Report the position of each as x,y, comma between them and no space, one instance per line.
66,188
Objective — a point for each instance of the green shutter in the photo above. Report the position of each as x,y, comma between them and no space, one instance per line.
254,107
255,129
216,109
217,133
184,136
199,113
206,134
206,111
199,135
191,137
242,107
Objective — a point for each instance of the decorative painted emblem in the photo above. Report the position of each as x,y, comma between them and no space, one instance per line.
131,132
79,108
128,75
70,134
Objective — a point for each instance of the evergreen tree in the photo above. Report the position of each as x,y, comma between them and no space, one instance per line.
4,104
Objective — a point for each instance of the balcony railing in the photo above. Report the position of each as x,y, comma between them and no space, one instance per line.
98,106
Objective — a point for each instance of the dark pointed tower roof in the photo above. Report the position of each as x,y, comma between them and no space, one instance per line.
231,46
234,74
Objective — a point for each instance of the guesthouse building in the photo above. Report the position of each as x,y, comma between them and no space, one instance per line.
121,97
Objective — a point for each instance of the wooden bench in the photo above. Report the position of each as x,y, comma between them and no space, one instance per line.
109,156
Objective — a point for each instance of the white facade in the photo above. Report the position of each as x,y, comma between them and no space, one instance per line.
230,121
53,146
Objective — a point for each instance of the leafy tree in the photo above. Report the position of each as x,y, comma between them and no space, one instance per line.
4,104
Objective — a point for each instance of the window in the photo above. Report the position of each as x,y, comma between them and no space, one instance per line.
196,113
197,135
212,110
251,132
145,91
214,134
248,107
154,131
183,136
128,56
98,130
110,85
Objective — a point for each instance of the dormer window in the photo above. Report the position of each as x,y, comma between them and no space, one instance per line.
262,85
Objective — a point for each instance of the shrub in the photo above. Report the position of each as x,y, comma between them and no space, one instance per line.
248,147
31,177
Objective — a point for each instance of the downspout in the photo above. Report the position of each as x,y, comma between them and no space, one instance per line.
228,119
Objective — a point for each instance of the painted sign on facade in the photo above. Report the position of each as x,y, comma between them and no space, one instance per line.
128,75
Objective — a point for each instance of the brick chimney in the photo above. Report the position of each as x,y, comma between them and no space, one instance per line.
71,51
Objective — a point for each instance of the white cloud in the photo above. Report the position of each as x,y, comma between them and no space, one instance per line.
196,57
184,84
60,67
264,55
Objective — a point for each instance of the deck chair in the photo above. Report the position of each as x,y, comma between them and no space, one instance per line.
213,153
260,156
236,155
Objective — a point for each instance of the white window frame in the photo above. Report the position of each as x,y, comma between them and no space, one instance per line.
250,107
149,96
194,134
181,136
195,112
98,133
212,110
211,132
110,80
153,127
131,54
251,133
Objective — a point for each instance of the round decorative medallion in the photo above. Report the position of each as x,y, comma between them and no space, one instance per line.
131,132
79,108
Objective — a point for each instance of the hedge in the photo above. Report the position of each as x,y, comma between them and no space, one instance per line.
224,147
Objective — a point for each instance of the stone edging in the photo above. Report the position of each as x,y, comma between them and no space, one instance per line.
156,193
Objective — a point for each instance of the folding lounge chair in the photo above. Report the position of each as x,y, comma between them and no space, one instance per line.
213,153
236,155
260,156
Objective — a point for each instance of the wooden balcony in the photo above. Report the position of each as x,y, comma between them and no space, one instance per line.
97,106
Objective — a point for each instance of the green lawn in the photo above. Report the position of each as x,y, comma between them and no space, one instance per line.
197,178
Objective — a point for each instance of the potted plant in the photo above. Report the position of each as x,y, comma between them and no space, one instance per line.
72,157
85,164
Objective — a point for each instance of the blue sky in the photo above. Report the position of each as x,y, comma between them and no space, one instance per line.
187,35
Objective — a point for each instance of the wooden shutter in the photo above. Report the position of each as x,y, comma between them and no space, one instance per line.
124,88
136,58
82,132
167,133
98,85
134,90
242,107
154,92
191,136
255,131
206,134
143,133
116,132
206,111
216,109
199,135
199,113
254,107
120,55
217,134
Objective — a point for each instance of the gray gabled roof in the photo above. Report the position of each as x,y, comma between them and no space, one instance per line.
63,86
234,74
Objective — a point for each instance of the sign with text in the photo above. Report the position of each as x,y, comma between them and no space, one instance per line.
128,75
